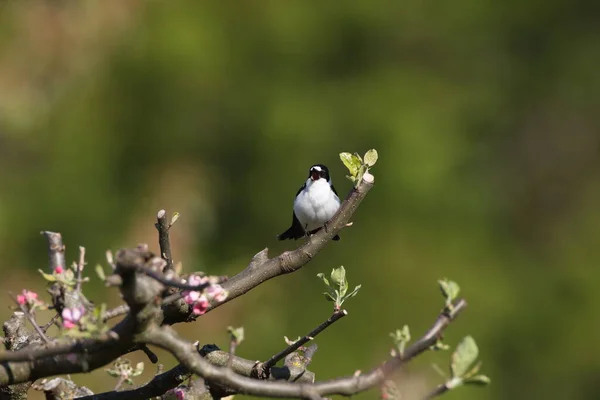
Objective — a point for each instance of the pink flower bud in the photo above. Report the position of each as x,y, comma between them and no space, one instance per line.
71,316
27,296
58,270
179,394
196,280
201,306
21,299
216,292
68,324
191,297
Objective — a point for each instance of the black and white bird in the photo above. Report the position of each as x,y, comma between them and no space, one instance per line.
316,202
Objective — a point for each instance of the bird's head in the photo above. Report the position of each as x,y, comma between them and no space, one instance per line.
318,171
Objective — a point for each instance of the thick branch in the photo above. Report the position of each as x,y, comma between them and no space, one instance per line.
167,339
56,250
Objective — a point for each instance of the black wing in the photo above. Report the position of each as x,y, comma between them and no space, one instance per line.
299,190
334,191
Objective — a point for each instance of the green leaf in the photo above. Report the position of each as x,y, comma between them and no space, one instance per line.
352,162
237,334
322,277
401,337
439,345
100,272
473,371
139,368
371,157
478,380
48,277
113,373
353,293
174,218
464,356
338,277
450,290
69,275
328,296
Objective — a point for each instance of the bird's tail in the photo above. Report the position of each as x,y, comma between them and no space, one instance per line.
289,234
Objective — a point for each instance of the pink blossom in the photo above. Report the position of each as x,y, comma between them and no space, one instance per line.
196,280
201,306
216,292
71,316
68,324
27,296
179,394
191,296
59,269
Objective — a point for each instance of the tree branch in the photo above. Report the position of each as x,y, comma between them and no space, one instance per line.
163,239
33,323
115,312
167,339
295,346
438,391
56,349
159,385
80,266
56,250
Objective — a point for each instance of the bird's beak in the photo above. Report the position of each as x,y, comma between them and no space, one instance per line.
314,175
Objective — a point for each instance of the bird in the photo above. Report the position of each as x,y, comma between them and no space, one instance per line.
316,203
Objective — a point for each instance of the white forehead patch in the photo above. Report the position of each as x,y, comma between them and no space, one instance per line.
316,167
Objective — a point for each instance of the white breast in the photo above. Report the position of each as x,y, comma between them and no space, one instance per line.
316,204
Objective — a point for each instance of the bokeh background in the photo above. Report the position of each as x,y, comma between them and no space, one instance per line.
485,115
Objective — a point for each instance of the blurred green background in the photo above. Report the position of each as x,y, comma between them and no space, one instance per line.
485,115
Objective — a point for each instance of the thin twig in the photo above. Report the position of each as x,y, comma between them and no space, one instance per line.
119,382
295,346
30,318
50,323
172,283
115,312
80,268
163,239
438,391
149,353
172,298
